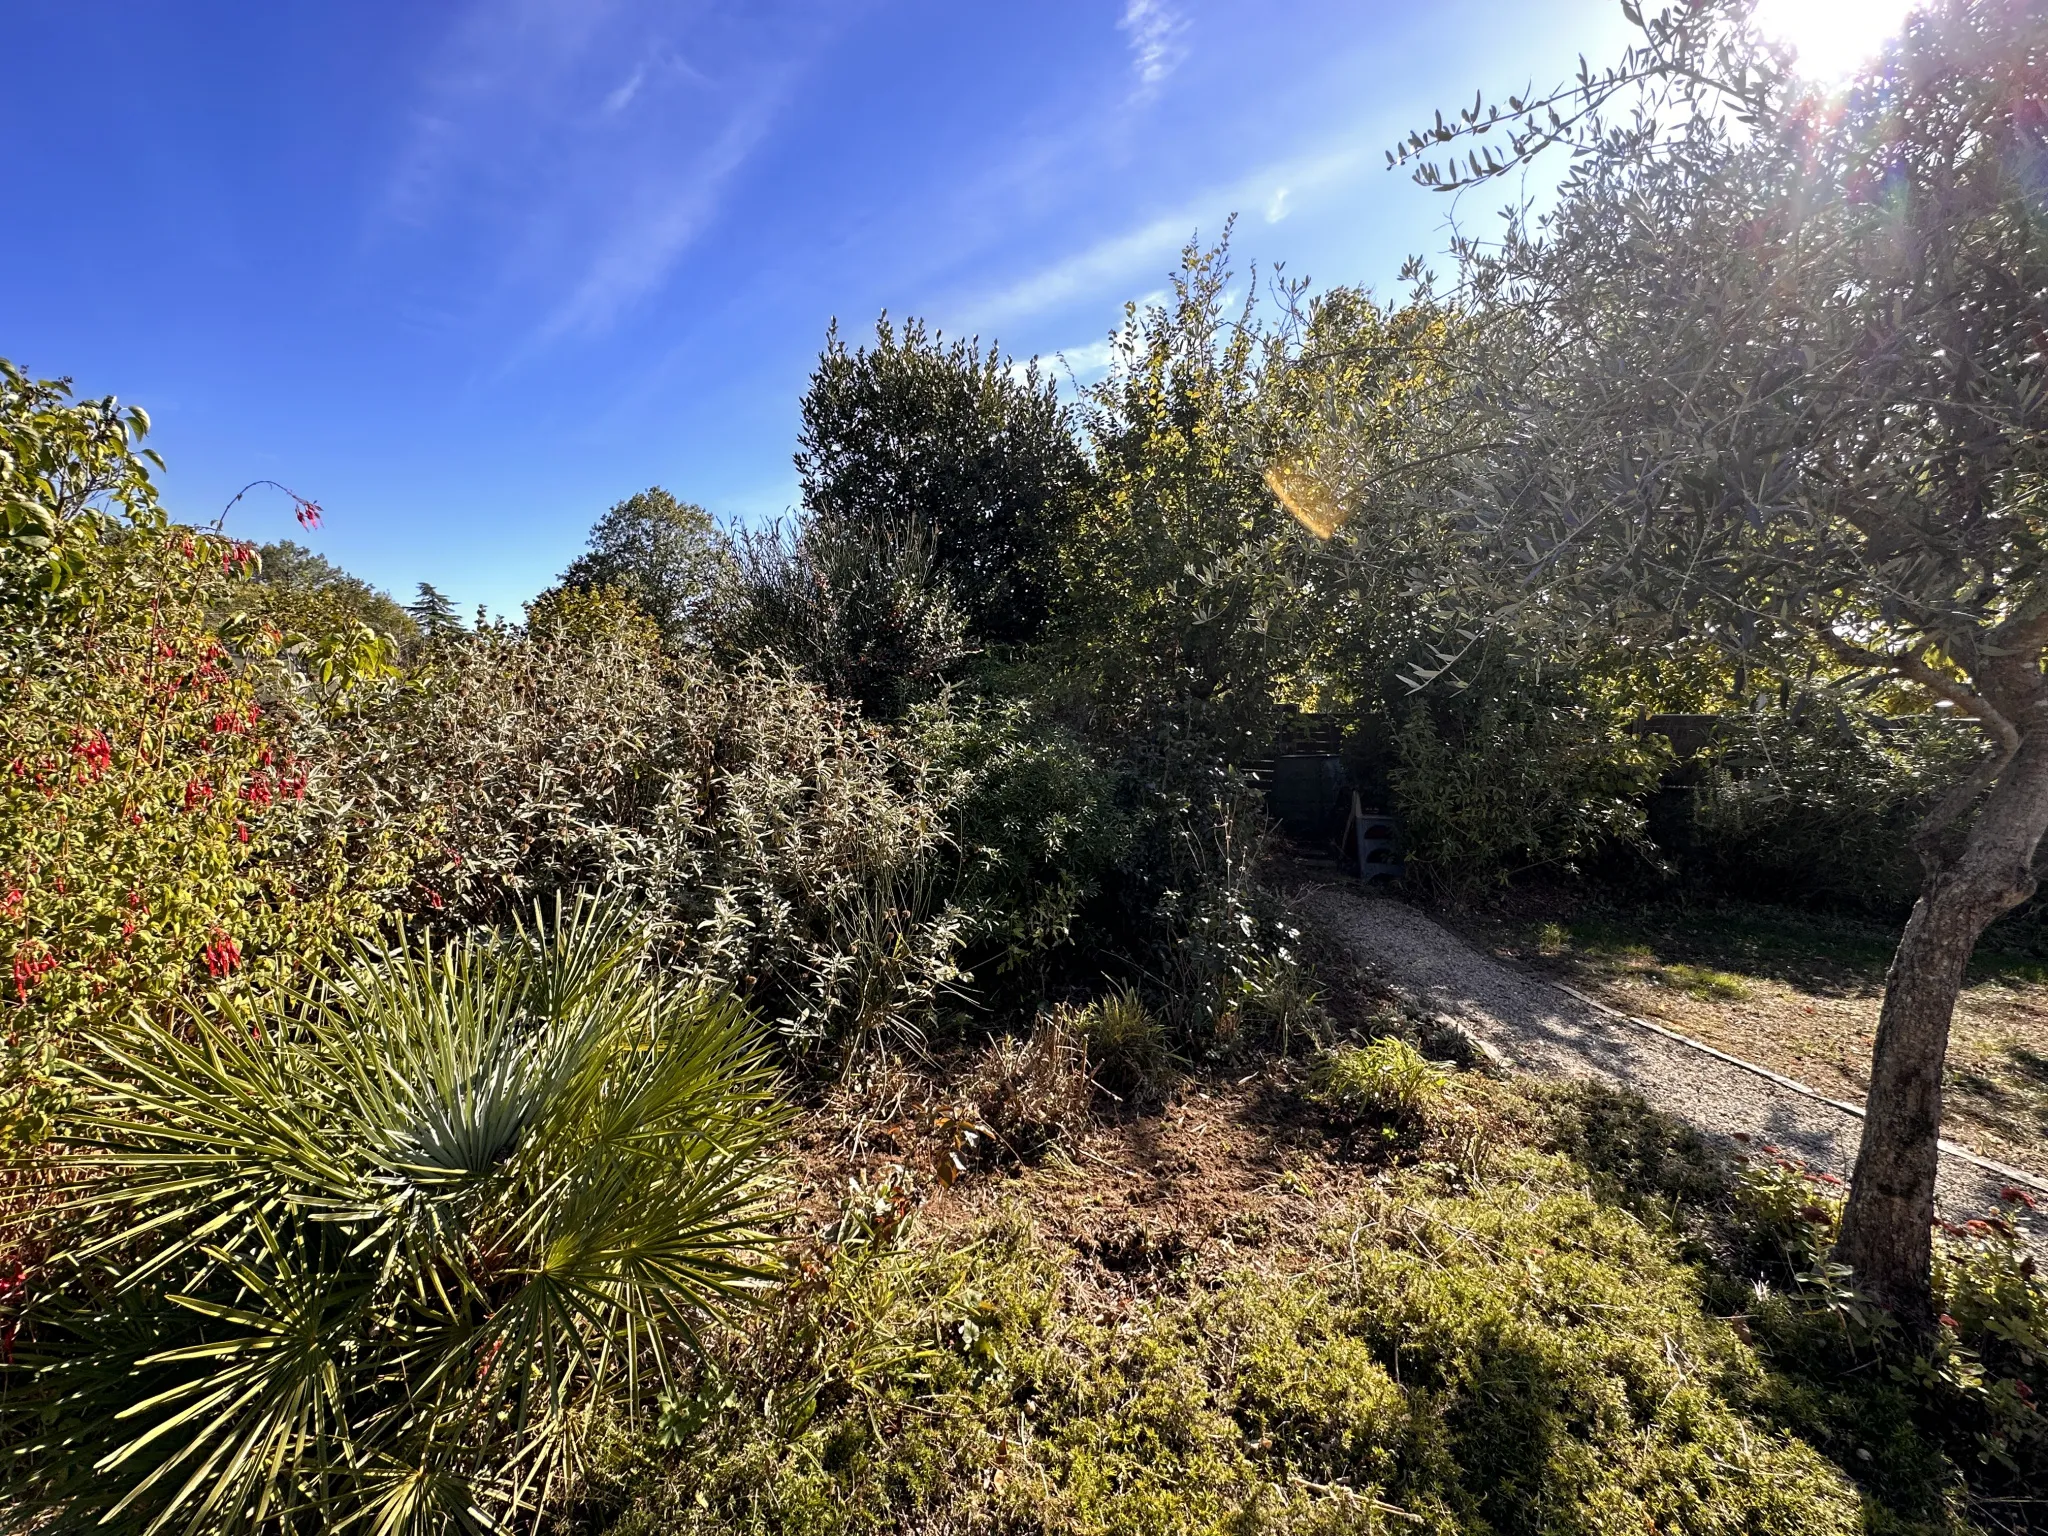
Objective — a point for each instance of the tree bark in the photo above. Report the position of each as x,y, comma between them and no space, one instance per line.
1887,1238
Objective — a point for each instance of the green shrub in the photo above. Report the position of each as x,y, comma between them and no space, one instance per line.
1127,1050
1516,773
1040,833
161,825
1821,807
1283,1006
961,442
863,610
1913,1411
372,1252
782,845
1387,1082
1216,930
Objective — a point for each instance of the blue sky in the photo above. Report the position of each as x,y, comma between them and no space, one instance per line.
467,274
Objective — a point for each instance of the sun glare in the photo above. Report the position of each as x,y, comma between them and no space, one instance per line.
1831,37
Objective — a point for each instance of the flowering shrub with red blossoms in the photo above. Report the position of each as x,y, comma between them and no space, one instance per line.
157,833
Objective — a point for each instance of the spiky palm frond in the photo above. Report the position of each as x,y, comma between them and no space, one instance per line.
364,1254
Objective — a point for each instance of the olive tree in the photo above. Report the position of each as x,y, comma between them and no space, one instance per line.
1769,375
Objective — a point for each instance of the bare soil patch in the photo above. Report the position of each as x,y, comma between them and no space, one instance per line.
1231,1173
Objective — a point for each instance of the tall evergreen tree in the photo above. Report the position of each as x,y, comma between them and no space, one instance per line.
434,612
915,430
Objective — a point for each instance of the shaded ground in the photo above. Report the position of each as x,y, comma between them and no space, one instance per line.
1542,1029
1795,992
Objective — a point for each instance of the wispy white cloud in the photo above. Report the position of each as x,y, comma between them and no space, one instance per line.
644,244
571,154
1090,357
622,97
1085,271
1081,363
1155,30
1277,209
1120,257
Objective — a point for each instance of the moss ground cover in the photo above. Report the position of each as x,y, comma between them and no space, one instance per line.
1538,1314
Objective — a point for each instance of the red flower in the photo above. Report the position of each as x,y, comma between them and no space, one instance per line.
1949,1323
197,792
241,831
92,749
29,969
308,514
221,956
12,903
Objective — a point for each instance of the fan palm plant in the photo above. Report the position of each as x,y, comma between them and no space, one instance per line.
372,1254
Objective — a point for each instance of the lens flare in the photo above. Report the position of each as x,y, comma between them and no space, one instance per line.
1305,500
1831,37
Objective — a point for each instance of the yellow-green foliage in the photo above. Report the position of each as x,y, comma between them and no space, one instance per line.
1127,1050
1520,1360
1387,1081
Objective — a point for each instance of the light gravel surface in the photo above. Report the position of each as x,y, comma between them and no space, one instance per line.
1539,1027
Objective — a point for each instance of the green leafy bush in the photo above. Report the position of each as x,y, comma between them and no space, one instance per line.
1128,1052
1387,1082
863,610
1512,776
1821,808
914,431
1967,1398
161,824
372,1251
781,844
1040,831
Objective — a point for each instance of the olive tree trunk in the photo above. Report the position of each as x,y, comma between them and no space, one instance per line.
1887,1238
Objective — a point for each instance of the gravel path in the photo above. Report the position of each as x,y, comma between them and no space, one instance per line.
1540,1027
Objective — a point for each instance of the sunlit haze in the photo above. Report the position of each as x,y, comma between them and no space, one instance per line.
1832,37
